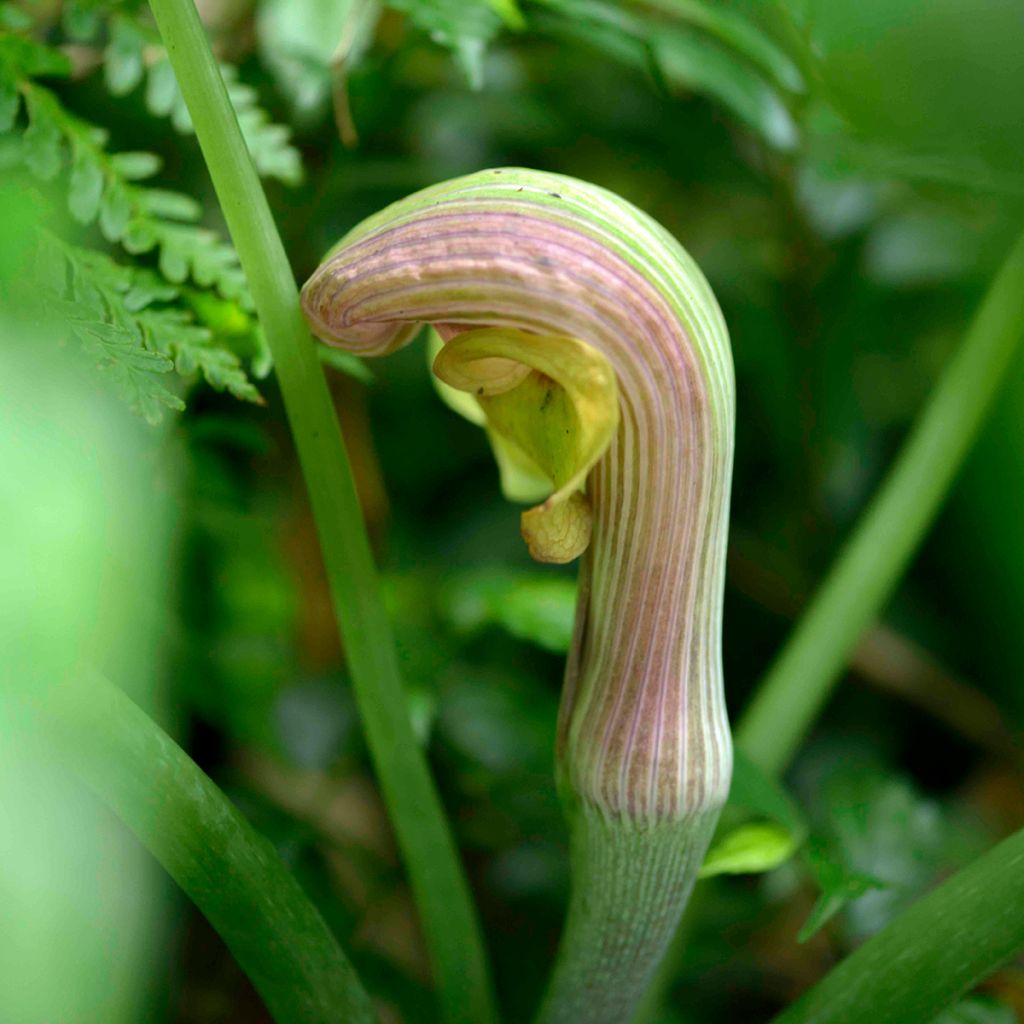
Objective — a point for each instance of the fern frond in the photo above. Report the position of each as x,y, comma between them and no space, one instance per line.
120,317
135,52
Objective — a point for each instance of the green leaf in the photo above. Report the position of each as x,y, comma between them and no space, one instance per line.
135,166
32,58
509,12
122,60
534,607
749,849
268,143
189,250
85,187
139,236
162,94
298,42
81,21
684,60
115,211
465,27
14,18
158,202
838,886
740,34
689,62
114,313
878,845
42,149
761,828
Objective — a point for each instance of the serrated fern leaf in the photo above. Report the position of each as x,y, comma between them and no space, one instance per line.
135,52
113,312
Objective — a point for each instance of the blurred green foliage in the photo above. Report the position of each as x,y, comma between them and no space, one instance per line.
847,175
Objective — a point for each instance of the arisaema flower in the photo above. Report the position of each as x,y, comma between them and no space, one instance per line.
550,406
589,345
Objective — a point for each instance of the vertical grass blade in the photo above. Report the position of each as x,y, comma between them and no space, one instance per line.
871,563
431,858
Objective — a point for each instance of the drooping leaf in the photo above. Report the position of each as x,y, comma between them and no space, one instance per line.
689,62
312,46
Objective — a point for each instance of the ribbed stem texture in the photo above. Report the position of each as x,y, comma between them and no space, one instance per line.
630,886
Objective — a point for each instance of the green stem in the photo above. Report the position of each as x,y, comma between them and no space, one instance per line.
229,871
630,884
874,558
439,886
930,955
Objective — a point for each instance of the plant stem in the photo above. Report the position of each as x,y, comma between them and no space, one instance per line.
932,953
439,886
630,884
229,871
872,561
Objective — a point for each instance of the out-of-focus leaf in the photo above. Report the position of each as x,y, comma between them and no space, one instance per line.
761,828
685,60
85,189
306,43
42,149
537,608
31,57
740,34
497,721
837,887
509,12
749,849
878,845
135,166
81,21
123,65
466,27
689,62
922,247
